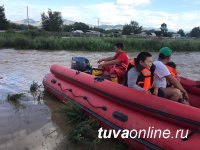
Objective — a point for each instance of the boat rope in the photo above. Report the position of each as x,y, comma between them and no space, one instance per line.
104,108
131,103
148,144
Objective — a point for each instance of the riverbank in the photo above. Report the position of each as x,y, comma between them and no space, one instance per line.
44,41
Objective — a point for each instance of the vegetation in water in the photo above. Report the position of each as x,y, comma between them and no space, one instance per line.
36,91
73,113
34,86
85,130
85,133
13,99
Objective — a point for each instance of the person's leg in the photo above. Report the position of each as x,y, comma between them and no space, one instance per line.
119,72
113,72
107,69
160,92
172,93
113,75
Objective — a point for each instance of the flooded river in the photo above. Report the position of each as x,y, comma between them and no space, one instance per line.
33,124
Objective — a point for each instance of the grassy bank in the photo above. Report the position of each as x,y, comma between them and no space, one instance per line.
44,41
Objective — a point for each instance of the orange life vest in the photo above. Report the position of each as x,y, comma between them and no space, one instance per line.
172,71
132,62
145,78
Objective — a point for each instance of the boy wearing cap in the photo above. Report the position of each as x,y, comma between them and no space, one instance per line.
162,76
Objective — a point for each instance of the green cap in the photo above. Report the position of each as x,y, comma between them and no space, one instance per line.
165,51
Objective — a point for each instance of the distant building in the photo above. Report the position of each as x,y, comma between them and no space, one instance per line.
77,31
152,34
91,32
142,34
176,35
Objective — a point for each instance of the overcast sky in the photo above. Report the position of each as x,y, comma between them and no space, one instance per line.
176,14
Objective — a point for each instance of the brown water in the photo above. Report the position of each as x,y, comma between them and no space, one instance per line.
35,125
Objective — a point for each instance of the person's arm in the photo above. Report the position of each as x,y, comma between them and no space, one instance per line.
131,80
106,59
155,91
112,62
177,85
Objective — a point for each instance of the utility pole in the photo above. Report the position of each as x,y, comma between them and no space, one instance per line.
27,18
98,27
98,23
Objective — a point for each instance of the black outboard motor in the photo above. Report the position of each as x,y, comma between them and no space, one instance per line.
80,64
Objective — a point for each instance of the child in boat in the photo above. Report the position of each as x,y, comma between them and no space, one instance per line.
171,66
140,75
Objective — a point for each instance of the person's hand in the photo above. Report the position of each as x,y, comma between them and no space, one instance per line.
147,92
185,95
155,92
99,61
100,65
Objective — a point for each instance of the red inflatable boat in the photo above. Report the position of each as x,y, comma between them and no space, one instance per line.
118,107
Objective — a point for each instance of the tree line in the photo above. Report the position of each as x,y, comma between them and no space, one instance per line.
52,21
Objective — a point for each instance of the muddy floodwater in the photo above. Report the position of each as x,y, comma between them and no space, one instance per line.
35,124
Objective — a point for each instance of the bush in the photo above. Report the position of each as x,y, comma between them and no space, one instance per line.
41,40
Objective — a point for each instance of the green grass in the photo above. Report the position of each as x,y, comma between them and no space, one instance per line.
15,97
34,87
36,92
73,113
42,40
85,131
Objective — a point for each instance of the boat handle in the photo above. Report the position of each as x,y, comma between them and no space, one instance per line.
120,116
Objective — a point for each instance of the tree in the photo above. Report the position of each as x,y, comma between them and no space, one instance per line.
114,32
148,32
181,32
163,29
20,26
68,28
195,32
169,34
133,27
98,29
158,33
52,21
81,26
127,29
4,24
